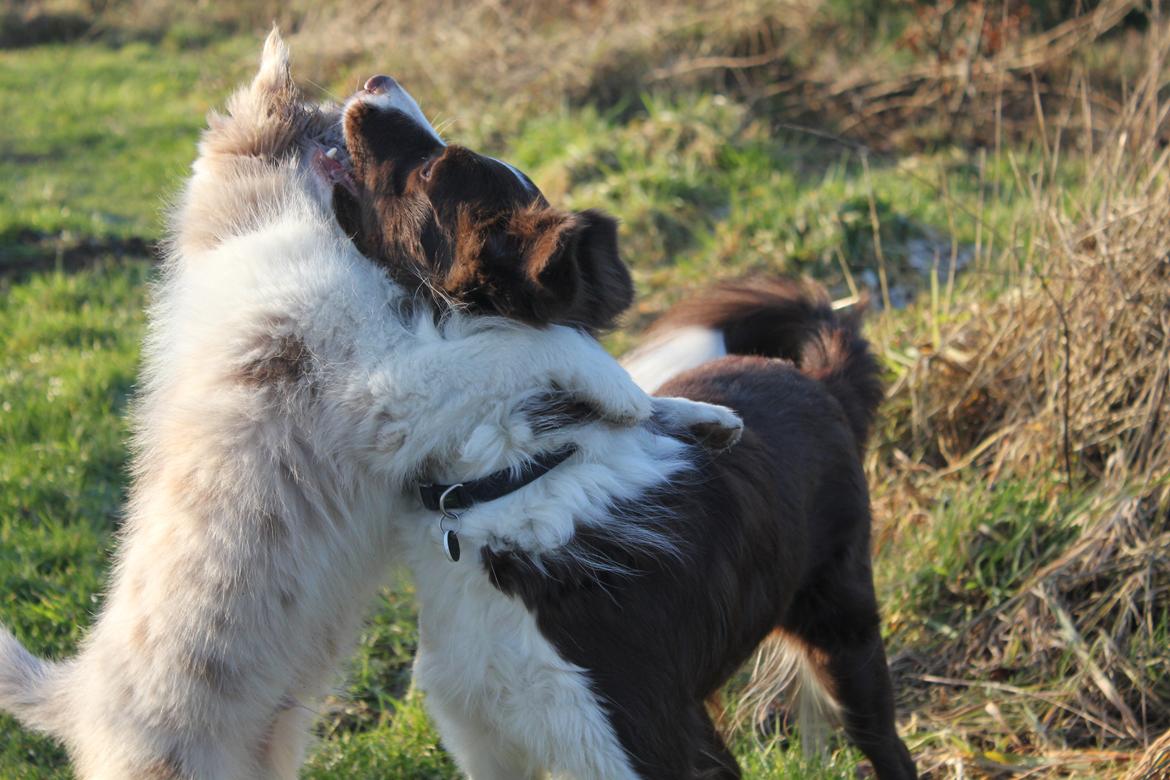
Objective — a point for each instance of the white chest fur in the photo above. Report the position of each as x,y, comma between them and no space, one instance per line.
508,705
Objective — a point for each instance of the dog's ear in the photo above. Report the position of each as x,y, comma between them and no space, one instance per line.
265,118
572,271
274,76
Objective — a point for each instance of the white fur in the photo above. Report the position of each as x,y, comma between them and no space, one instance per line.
287,403
672,353
505,702
782,671
22,683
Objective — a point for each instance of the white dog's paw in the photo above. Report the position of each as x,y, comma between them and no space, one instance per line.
714,427
622,402
610,390
580,367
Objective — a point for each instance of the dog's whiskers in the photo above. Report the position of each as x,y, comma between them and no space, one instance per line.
332,95
443,125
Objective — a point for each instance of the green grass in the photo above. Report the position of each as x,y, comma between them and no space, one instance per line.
66,372
987,540
704,190
96,138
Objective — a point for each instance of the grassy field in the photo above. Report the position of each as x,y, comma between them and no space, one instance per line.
992,175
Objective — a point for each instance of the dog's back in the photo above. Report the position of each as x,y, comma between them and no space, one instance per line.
767,317
794,321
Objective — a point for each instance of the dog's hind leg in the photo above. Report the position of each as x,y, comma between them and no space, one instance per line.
861,681
839,628
478,749
713,760
282,750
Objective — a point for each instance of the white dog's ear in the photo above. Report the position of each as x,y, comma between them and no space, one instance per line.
275,76
263,119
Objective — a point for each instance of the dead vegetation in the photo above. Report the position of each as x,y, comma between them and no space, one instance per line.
960,72
1060,382
953,72
1074,360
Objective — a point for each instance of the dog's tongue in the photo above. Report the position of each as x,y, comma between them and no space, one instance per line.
333,170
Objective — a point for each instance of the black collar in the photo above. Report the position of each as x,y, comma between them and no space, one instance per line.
463,495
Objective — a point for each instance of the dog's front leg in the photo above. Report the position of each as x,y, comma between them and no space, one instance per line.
582,368
478,748
425,403
509,359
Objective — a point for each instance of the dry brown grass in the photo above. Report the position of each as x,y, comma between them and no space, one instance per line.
960,72
979,71
1072,367
1155,763
975,74
495,63
1062,381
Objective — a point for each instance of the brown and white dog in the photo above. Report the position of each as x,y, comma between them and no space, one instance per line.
293,392
613,596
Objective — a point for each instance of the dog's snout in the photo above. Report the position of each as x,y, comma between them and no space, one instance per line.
380,85
384,95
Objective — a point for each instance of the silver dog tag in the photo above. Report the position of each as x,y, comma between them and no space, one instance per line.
451,545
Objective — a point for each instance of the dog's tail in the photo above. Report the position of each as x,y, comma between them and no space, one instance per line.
28,686
778,318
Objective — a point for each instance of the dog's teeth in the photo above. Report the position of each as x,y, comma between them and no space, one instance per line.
332,153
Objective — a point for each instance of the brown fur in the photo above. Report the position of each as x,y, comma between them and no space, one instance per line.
164,769
286,360
472,234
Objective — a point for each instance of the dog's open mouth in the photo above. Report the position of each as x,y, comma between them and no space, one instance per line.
333,165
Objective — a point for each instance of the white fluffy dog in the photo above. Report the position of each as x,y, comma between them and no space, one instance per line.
291,394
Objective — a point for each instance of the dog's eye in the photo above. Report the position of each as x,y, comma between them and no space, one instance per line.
428,167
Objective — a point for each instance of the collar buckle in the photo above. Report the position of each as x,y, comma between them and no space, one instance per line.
450,500
456,504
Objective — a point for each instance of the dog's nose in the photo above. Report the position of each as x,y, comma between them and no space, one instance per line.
378,85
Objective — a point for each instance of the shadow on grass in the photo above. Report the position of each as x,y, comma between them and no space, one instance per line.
20,30
24,251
